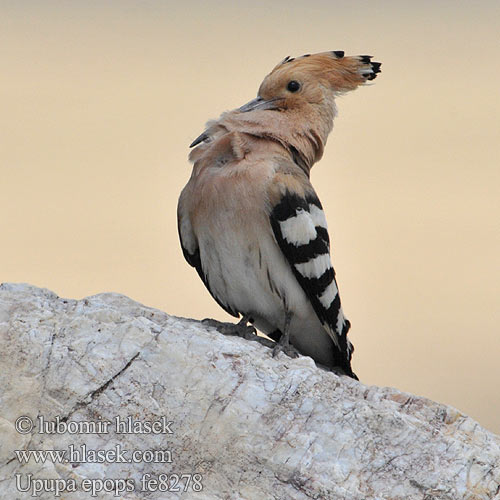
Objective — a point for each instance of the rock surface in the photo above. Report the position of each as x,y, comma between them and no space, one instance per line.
235,421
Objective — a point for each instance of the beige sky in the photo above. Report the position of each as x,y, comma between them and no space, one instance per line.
100,100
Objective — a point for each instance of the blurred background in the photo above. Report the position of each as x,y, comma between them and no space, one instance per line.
100,100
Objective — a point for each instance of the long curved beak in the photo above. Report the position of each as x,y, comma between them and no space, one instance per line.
259,103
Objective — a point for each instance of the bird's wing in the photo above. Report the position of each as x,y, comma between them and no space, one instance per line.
191,251
299,226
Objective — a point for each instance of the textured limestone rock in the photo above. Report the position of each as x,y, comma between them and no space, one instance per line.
251,426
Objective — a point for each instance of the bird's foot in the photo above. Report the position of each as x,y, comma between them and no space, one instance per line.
286,348
240,329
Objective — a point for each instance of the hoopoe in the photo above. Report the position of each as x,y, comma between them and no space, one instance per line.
249,219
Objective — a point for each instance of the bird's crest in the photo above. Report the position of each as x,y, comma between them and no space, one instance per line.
332,69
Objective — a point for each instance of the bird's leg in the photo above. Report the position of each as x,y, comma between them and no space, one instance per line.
283,345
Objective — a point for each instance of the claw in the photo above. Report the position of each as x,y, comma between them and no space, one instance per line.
241,329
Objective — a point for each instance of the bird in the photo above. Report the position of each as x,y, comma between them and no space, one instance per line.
249,219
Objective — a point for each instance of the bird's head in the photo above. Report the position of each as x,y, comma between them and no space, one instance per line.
302,91
312,80
295,104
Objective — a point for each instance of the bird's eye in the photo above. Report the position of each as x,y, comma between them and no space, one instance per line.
293,86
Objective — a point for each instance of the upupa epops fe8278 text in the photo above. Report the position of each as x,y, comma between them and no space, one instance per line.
249,219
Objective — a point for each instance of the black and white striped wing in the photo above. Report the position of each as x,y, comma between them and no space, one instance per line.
300,228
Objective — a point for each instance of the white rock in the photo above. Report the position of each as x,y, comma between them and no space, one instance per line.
253,426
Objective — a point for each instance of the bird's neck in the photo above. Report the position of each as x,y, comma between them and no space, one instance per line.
306,134
302,132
